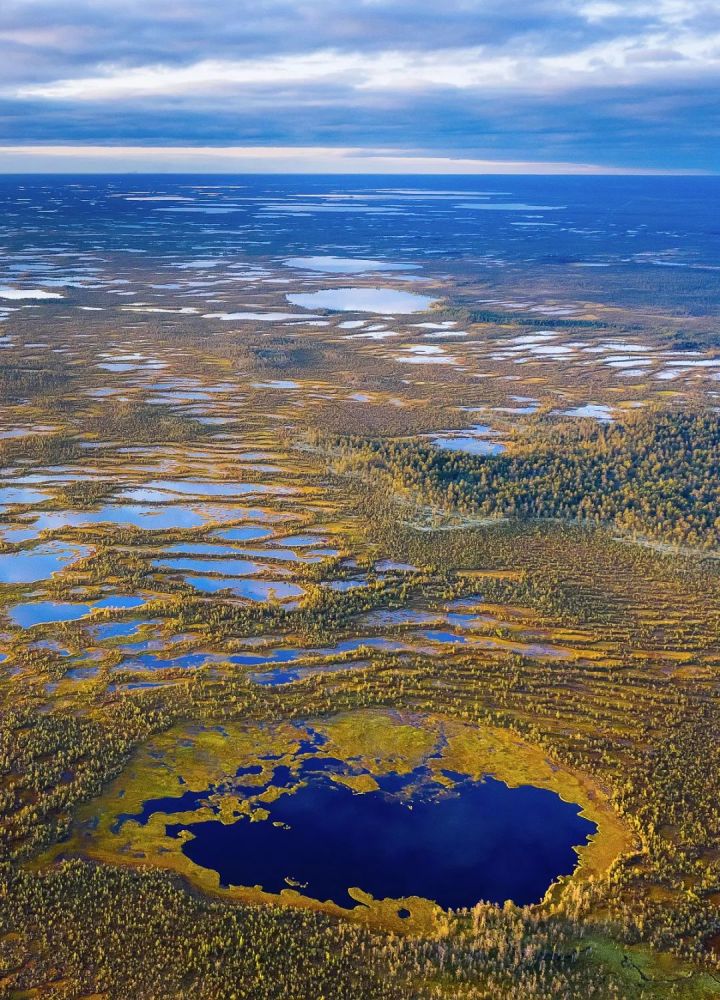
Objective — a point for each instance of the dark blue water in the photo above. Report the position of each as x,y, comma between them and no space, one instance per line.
189,801
650,226
480,841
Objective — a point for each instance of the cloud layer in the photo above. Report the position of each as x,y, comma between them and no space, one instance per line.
633,83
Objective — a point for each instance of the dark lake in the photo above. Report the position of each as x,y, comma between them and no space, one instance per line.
480,840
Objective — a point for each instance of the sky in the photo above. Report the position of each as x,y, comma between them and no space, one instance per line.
436,86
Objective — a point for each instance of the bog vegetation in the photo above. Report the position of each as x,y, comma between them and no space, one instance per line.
541,618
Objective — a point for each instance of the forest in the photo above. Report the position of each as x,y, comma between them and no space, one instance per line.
653,474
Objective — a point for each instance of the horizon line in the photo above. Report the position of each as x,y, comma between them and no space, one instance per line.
91,159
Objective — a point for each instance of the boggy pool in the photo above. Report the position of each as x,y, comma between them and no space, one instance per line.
395,805
475,840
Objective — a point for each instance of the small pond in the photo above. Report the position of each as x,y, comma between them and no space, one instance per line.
475,440
251,590
33,565
32,613
345,265
373,300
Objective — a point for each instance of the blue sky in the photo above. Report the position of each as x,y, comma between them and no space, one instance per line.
352,85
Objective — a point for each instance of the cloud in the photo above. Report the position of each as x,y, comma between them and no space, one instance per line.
578,79
627,61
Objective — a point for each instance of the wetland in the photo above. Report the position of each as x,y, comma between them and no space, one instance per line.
360,595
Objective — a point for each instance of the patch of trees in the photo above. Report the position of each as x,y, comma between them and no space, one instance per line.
66,936
654,475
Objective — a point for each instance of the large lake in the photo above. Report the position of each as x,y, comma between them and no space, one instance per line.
478,840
